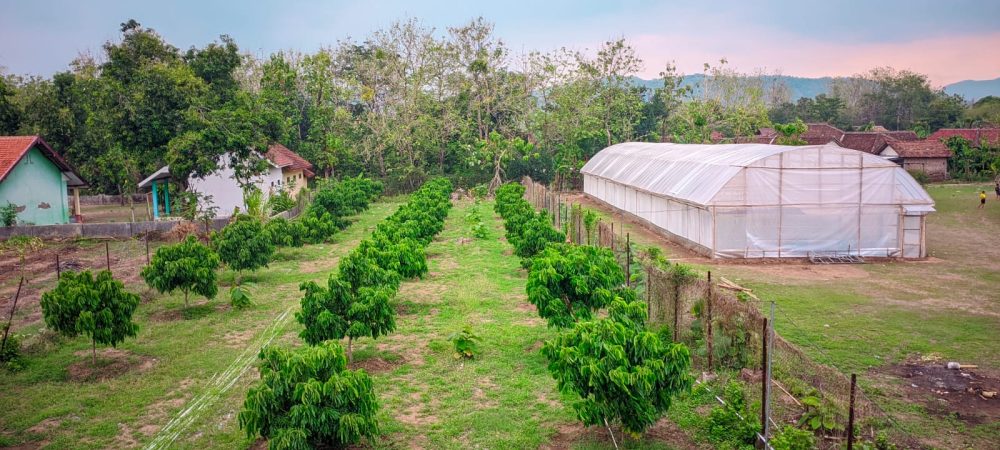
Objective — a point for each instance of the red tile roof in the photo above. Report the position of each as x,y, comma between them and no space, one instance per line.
282,157
13,148
925,148
864,141
973,135
821,133
906,143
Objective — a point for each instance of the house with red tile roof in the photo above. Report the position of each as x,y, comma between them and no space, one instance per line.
36,180
295,170
221,191
929,156
990,136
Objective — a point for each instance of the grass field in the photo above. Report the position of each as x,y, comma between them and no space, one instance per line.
869,318
181,383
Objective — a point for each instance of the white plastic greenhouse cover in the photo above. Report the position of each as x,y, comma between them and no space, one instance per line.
760,200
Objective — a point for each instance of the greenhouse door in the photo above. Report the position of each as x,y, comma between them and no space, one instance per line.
913,236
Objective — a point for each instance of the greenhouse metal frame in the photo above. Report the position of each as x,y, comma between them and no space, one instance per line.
765,201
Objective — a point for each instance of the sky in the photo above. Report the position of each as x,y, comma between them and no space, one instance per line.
947,40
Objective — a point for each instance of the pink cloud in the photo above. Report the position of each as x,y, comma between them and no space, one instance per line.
944,60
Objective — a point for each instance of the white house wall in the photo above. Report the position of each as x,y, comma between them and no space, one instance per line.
226,193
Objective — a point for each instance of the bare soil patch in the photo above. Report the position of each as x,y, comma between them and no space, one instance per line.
111,363
238,339
964,394
45,426
568,435
375,365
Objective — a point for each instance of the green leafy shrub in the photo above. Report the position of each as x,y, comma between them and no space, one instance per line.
10,348
188,266
345,197
357,300
244,244
536,234
791,438
734,424
567,283
480,230
621,372
529,232
319,228
821,414
8,215
99,307
479,191
239,298
280,201
339,311
307,398
287,233
466,343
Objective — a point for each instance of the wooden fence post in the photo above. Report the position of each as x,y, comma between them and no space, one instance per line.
677,307
708,322
850,414
107,254
10,320
58,269
628,260
763,383
612,237
147,245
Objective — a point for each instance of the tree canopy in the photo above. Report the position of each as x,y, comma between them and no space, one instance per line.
406,103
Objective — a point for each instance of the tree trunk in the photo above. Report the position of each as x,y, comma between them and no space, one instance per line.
94,351
185,299
350,350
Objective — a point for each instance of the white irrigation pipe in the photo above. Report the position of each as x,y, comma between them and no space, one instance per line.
219,384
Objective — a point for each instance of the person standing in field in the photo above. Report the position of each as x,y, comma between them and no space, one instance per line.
982,199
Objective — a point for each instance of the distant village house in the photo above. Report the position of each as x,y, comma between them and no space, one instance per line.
36,180
905,148
286,171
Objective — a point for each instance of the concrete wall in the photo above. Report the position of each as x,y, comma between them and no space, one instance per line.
37,187
102,199
935,168
98,230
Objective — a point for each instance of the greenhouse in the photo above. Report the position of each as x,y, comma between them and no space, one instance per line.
765,201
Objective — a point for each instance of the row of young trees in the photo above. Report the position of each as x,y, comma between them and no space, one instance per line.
308,398
408,102
622,371
101,308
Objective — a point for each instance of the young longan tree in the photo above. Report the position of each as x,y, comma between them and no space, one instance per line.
307,398
98,307
189,266
338,311
244,245
621,372
568,282
356,302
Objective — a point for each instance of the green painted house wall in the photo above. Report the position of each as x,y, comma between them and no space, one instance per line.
36,185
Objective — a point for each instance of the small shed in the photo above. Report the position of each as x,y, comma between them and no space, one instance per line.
765,201
36,180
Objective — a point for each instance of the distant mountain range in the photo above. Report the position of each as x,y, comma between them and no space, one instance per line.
800,87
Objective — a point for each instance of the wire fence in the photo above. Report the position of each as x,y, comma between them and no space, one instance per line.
41,266
730,330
